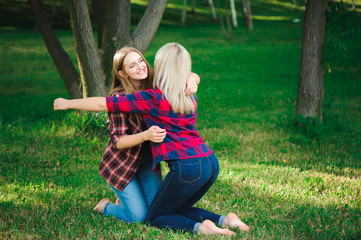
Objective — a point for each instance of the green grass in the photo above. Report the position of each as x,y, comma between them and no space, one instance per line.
285,182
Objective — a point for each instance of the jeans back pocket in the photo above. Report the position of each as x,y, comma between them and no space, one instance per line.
190,172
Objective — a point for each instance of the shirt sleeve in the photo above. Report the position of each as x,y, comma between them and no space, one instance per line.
139,102
117,127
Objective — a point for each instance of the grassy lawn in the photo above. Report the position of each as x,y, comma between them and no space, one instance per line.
285,182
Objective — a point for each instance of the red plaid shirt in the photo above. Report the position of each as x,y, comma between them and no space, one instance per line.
118,166
182,140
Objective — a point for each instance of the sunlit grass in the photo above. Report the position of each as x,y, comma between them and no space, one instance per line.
285,182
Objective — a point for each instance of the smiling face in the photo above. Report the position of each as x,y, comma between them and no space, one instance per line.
134,67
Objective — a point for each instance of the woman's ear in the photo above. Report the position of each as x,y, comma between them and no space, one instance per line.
122,74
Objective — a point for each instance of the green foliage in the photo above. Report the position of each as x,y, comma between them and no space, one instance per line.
86,123
285,182
339,31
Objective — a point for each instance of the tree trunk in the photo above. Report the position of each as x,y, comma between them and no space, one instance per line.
99,8
60,58
88,59
234,14
247,15
193,7
116,34
148,25
213,11
310,84
184,13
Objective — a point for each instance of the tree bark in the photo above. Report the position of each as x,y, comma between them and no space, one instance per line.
148,25
116,34
234,14
193,7
310,92
60,58
184,13
99,8
88,58
213,11
247,14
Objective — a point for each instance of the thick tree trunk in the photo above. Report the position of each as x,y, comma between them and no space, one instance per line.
116,34
148,25
99,8
88,58
247,15
310,85
60,58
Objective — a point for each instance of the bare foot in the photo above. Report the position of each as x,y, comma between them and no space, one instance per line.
118,201
209,228
232,221
100,206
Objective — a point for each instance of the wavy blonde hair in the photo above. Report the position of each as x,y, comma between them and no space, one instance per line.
120,83
172,66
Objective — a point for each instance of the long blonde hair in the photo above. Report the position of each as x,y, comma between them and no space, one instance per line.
121,83
172,66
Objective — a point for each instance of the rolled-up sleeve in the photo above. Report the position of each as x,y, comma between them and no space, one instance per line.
117,127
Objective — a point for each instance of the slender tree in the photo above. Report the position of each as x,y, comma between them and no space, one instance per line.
234,13
60,58
310,92
247,14
213,10
184,13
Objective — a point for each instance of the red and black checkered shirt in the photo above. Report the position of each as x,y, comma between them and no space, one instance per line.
182,140
118,166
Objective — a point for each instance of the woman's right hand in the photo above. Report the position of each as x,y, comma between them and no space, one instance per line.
154,134
60,104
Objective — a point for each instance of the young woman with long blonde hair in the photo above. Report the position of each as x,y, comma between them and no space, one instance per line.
127,159
192,164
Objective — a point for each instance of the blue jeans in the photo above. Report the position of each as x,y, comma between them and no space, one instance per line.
185,184
138,194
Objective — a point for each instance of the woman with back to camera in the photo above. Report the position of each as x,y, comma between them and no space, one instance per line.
193,165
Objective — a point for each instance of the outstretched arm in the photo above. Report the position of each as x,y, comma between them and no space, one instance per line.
88,104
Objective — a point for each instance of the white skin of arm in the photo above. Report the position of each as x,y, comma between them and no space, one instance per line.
96,104
192,83
154,133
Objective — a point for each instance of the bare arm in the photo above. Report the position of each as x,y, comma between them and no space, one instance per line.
88,104
192,83
154,134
